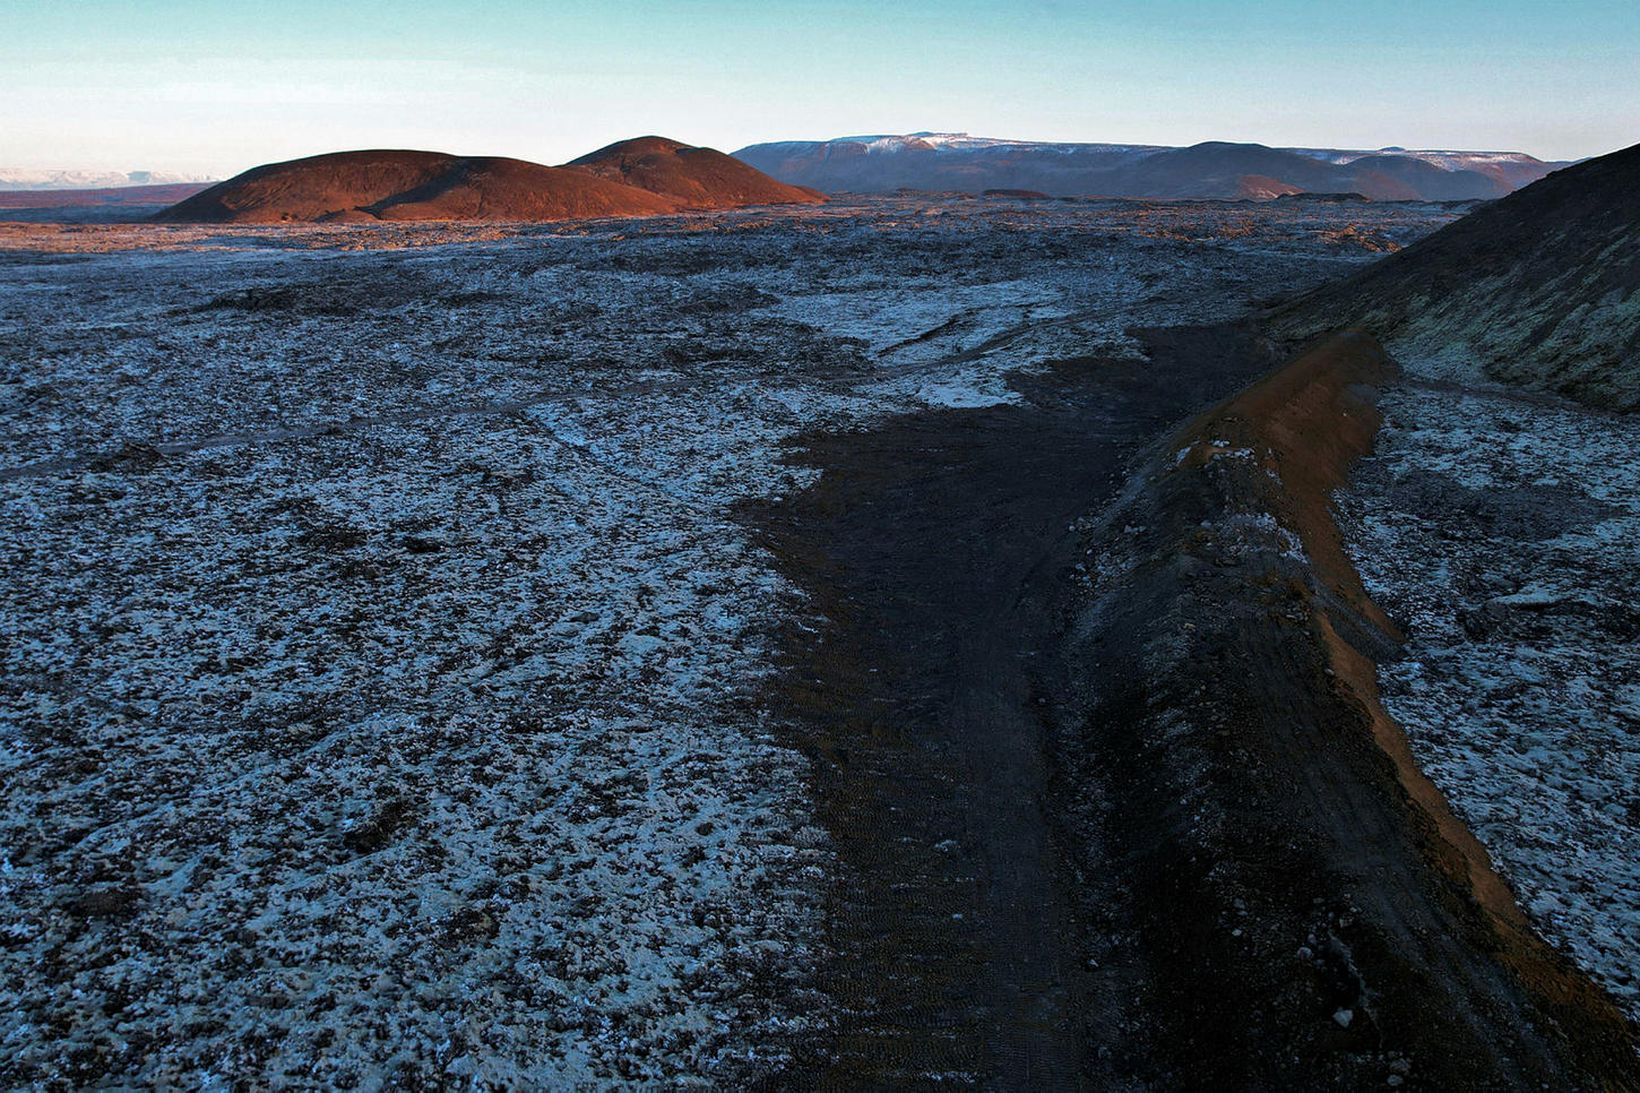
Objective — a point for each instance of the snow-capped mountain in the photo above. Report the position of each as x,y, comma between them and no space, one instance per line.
958,161
33,178
963,142
1517,169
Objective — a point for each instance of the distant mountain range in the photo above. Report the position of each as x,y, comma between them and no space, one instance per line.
645,176
959,162
108,198
1217,169
28,178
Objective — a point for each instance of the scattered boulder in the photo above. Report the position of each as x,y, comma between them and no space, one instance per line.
379,829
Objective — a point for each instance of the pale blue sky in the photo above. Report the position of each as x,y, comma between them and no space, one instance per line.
220,86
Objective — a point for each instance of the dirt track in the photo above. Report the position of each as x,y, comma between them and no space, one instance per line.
1136,830
959,936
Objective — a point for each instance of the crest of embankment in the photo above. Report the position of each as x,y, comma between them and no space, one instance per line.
1308,906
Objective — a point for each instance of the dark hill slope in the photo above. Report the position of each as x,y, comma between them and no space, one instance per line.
701,178
1541,288
408,185
1218,169
882,167
1406,178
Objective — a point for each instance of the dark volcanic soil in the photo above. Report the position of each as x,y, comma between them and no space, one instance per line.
1141,830
939,548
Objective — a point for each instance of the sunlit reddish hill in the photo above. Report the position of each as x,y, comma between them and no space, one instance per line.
512,189
405,185
701,178
647,177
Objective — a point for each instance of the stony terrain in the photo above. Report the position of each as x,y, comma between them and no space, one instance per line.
1503,532
1498,526
385,660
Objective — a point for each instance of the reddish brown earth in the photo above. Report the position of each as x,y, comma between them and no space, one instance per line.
654,178
406,185
511,189
112,195
698,177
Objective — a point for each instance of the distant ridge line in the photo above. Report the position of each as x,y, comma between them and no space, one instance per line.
1212,169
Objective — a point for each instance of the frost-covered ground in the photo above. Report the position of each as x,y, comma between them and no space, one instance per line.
381,656
1504,532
